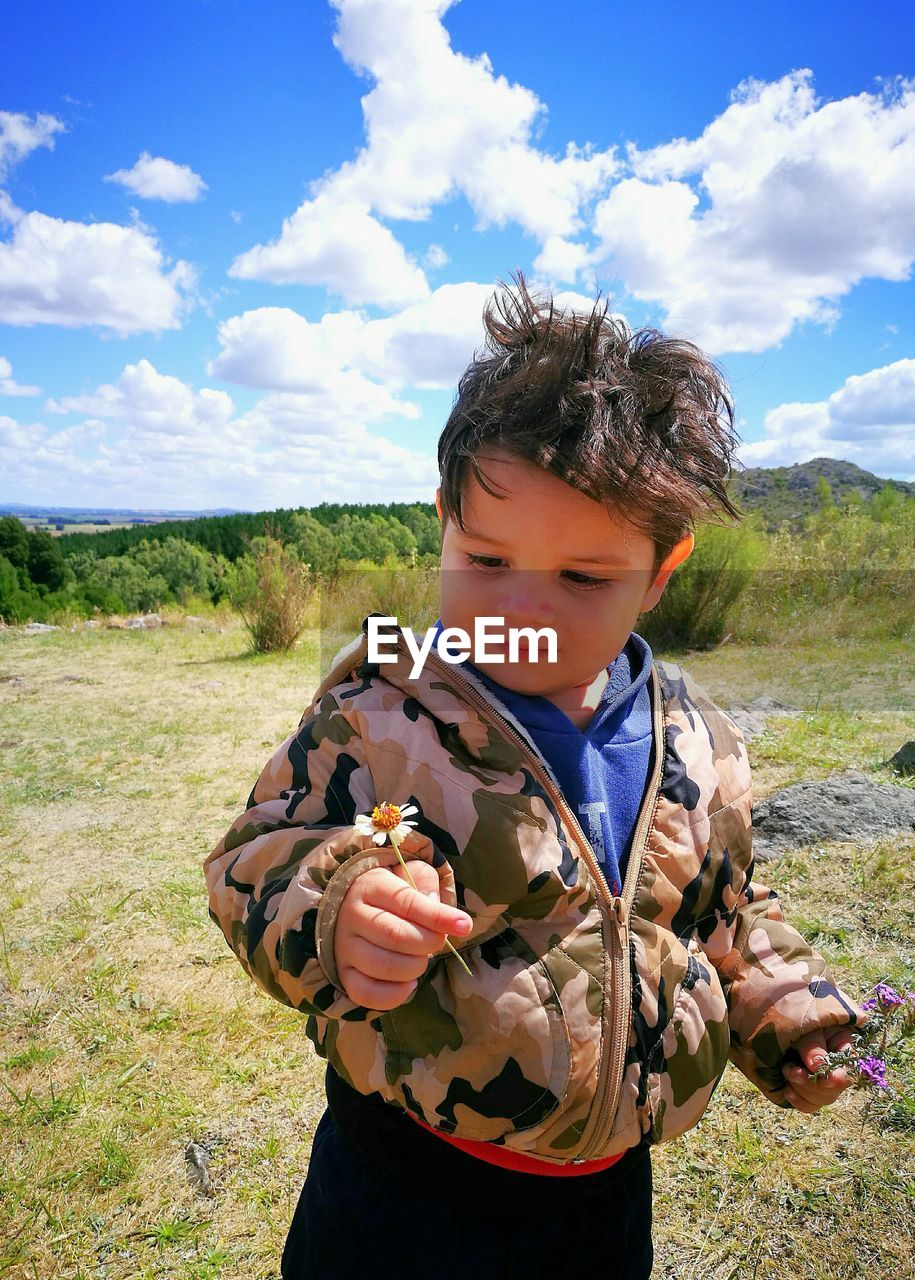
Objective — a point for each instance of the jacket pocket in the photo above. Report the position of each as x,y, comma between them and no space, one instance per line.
480,1055
691,1053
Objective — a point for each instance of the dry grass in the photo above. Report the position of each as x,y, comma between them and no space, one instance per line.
129,1029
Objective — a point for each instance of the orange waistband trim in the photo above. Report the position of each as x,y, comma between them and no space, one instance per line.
507,1159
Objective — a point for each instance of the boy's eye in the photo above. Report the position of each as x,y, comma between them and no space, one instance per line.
584,579
485,562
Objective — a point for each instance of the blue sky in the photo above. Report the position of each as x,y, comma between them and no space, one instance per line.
245,244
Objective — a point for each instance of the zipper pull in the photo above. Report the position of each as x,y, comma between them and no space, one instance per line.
618,909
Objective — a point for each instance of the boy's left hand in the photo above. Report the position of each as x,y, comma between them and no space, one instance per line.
809,1095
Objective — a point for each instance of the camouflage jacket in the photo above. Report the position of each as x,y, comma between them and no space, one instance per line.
589,1023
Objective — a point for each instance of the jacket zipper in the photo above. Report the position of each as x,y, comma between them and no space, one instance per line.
610,1066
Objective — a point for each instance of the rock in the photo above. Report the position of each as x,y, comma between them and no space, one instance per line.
847,806
751,717
12,679
197,1160
210,684
146,621
70,679
903,762
39,626
190,617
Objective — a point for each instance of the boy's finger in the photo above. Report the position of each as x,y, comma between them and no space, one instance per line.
425,877
839,1038
384,965
385,929
373,994
402,900
801,1104
826,1089
812,1049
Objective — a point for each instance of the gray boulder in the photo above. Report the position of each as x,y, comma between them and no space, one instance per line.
145,622
903,762
848,806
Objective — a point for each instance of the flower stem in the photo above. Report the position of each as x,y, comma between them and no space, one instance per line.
396,843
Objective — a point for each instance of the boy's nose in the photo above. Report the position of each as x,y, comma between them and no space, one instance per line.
524,599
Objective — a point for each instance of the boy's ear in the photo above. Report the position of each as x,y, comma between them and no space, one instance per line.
682,551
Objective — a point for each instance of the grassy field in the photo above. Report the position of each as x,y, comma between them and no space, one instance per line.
129,1029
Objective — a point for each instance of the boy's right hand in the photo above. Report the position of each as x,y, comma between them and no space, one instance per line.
386,931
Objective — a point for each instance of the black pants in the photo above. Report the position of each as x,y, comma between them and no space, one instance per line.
356,1218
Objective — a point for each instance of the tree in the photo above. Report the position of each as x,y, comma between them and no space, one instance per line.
130,581
314,542
425,527
885,504
14,542
185,568
46,565
16,605
825,499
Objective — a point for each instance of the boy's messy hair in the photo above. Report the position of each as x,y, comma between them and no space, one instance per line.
638,421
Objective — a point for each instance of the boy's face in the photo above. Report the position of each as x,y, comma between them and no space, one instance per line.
544,555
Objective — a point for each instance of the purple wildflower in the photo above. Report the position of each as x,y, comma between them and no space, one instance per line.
887,997
873,1070
869,1004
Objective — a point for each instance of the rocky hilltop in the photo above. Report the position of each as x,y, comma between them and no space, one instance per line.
783,494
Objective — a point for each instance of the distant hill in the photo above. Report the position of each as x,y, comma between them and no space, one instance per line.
787,494
94,519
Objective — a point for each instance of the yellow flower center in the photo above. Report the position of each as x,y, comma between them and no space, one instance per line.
386,816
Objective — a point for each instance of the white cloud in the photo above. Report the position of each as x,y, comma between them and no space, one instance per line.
155,178
426,345
76,274
17,440
20,134
560,259
771,216
438,124
152,440
276,349
311,459
341,246
869,420
9,214
9,387
430,344
436,257
153,402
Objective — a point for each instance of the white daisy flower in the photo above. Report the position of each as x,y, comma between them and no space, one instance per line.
386,820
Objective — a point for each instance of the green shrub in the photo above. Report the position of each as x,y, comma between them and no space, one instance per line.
272,591
700,597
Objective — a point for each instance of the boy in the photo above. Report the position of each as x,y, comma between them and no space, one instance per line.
582,833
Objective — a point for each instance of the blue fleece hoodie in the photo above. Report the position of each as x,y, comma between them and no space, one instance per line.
602,769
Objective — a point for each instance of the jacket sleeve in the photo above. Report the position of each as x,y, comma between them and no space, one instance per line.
777,987
277,878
